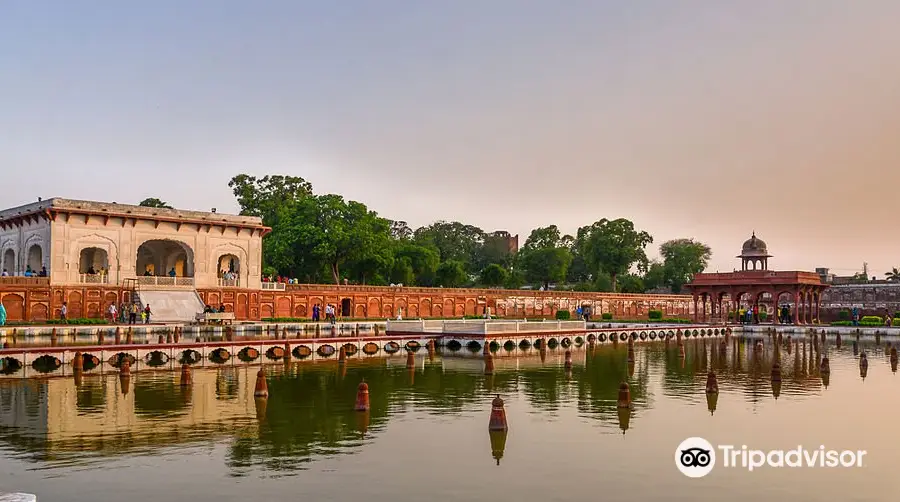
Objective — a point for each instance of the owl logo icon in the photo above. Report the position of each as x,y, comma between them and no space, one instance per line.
695,457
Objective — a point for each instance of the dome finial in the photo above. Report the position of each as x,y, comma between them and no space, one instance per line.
754,235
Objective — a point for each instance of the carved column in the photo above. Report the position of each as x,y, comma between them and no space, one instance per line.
796,312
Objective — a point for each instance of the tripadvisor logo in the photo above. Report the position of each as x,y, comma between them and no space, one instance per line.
696,457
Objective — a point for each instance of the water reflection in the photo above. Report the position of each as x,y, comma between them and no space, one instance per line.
310,414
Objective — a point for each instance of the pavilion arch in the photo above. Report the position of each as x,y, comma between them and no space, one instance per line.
92,258
9,260
159,256
34,258
229,258
104,245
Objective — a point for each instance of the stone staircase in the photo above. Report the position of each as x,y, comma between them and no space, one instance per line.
171,305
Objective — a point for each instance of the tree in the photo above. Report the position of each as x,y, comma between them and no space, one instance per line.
682,258
495,249
327,231
655,277
424,261
451,274
614,246
154,202
631,283
544,257
266,197
402,273
494,275
400,231
893,275
454,241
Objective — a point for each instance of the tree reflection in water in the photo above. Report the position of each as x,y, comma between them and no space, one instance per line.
309,412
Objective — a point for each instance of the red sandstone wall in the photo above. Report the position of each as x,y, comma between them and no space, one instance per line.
37,301
380,302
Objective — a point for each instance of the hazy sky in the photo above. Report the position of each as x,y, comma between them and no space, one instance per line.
692,118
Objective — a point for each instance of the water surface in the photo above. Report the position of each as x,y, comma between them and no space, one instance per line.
148,438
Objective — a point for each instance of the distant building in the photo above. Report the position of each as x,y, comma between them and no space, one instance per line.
500,245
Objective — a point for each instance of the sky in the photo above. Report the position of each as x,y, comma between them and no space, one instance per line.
701,119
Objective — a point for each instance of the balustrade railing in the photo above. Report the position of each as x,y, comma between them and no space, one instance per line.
19,280
273,286
93,278
229,283
164,281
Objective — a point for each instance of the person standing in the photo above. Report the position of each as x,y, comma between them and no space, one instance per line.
64,313
112,312
316,311
132,314
146,315
2,315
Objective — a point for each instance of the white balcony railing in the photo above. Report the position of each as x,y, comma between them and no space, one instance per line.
93,278
273,286
165,281
229,283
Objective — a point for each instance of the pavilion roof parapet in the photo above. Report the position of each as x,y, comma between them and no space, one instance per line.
757,277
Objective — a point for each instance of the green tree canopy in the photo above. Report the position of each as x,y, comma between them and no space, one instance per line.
614,246
545,258
154,202
424,261
454,241
655,276
682,258
494,275
267,196
451,274
328,231
495,249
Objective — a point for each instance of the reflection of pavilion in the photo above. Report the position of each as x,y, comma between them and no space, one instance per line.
65,416
719,294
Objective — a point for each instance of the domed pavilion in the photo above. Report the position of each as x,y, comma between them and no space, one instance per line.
715,295
754,255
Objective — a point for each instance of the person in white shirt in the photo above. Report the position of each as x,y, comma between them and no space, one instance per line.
64,312
112,313
5,273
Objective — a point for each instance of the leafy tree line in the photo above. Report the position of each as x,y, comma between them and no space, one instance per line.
325,238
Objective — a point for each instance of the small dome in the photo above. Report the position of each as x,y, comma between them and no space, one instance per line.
754,245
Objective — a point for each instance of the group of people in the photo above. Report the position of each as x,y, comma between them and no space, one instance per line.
125,313
29,272
784,315
329,313
212,310
749,315
584,313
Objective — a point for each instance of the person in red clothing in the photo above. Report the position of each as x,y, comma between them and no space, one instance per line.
756,314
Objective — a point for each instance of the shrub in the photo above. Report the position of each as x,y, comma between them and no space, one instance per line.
655,315
896,315
563,315
871,324
842,323
606,316
896,321
763,316
872,319
80,321
844,315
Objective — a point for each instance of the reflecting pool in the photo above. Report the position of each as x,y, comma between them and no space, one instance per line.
148,438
